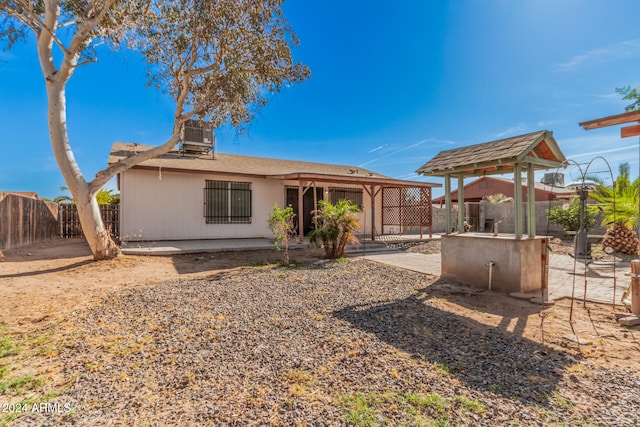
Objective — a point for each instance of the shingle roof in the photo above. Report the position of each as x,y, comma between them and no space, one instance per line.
248,165
235,163
538,148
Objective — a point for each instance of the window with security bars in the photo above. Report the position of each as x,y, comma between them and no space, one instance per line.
227,202
354,195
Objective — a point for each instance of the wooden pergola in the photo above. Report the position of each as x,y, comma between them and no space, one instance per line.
618,119
530,152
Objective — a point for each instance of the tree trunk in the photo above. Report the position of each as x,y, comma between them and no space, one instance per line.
99,240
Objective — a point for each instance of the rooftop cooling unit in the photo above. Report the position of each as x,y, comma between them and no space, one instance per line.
555,179
198,137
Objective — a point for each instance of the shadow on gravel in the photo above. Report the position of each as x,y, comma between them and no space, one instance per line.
483,357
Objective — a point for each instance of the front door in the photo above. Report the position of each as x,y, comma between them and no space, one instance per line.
307,205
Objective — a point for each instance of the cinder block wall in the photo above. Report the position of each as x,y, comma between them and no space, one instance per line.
439,218
505,212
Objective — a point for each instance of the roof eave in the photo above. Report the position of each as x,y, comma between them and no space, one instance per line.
304,176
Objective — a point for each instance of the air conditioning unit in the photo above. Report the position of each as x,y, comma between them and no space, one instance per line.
198,137
555,179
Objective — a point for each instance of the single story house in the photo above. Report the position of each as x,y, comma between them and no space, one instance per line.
181,196
480,188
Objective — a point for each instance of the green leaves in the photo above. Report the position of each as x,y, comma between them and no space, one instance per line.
282,226
620,202
217,58
568,215
335,227
630,94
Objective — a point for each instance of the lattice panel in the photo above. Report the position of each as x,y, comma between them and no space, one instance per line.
406,206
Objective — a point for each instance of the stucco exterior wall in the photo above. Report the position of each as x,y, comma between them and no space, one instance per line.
170,206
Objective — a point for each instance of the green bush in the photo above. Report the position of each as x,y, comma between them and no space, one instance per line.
568,215
335,227
281,224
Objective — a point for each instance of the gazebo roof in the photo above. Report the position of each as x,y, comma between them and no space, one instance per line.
538,149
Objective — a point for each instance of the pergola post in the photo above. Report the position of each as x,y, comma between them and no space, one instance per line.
517,195
531,201
447,203
300,211
373,194
460,203
429,212
315,205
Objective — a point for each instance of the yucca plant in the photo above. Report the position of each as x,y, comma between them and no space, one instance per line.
620,208
335,225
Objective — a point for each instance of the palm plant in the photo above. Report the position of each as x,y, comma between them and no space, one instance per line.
335,227
620,208
64,198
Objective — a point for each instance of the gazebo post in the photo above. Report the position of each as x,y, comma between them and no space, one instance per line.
531,201
517,195
447,203
460,203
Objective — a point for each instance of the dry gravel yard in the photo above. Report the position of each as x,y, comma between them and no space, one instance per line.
348,343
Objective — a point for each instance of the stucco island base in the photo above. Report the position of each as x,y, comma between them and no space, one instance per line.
518,264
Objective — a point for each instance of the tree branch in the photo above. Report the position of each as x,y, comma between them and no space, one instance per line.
105,175
81,39
45,38
28,18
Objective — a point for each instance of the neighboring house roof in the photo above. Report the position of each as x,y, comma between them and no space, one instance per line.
270,168
474,190
497,157
27,194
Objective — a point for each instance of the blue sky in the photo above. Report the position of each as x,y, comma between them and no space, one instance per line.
392,84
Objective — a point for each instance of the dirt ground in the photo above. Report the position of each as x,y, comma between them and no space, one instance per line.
40,283
46,279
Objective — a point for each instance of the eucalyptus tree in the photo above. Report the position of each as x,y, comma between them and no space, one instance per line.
217,59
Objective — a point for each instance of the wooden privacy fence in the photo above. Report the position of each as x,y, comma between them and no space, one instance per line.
70,223
24,220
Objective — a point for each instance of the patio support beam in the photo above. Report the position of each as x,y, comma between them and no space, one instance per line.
429,207
374,194
300,212
315,206
517,195
447,203
460,203
531,201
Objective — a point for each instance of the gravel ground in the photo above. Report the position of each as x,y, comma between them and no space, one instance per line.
352,343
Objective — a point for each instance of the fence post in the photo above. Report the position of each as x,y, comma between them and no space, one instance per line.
635,287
